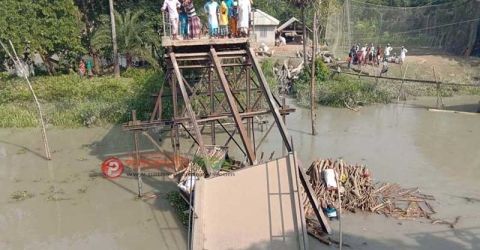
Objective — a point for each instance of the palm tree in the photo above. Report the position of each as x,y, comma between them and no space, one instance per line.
134,36
116,63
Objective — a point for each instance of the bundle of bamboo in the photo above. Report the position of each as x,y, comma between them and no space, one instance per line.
358,192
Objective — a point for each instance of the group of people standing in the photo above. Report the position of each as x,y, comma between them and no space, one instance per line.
374,56
369,55
85,69
228,18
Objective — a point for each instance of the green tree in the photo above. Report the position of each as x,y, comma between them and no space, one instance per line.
52,27
135,35
94,10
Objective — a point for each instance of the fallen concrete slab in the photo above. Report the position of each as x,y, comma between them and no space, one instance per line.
258,207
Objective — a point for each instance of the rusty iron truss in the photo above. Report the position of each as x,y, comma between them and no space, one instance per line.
224,81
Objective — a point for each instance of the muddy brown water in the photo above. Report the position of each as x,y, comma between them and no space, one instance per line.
74,207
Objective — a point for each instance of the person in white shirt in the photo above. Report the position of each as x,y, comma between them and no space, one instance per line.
172,6
364,54
243,22
388,49
403,51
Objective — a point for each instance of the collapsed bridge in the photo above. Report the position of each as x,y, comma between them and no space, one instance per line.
261,205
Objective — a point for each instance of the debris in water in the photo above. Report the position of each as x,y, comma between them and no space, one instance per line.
21,195
22,151
82,190
389,199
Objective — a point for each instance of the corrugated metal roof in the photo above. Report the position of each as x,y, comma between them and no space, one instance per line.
293,19
290,21
262,18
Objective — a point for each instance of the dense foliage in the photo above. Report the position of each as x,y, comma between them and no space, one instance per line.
337,91
135,37
69,101
68,27
51,27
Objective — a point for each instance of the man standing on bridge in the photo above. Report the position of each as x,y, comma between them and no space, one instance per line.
244,9
172,6
212,10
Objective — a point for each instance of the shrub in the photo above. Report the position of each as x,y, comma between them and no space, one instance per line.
68,100
343,90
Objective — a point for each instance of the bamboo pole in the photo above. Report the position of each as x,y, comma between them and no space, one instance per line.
412,80
40,113
339,210
403,81
312,81
439,95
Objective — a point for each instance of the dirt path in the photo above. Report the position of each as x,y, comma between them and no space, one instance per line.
420,62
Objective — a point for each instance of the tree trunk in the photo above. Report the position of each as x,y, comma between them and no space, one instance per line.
129,60
312,81
305,37
48,65
93,51
45,63
85,15
116,66
473,36
96,61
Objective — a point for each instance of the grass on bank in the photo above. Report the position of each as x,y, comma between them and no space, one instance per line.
69,101
342,90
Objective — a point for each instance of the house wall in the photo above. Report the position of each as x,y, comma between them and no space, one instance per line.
265,34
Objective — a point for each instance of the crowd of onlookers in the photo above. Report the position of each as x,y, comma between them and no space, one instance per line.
371,55
227,18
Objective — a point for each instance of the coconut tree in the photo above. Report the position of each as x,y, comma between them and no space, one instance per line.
134,36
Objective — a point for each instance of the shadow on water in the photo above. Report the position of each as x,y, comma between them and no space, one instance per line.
441,240
25,148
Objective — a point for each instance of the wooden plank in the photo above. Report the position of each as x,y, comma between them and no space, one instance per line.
206,54
453,111
233,107
187,103
167,42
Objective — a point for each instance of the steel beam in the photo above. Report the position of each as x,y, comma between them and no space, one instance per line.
283,132
270,100
233,108
144,125
187,104
158,103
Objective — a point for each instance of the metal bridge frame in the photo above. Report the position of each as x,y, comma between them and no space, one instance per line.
231,86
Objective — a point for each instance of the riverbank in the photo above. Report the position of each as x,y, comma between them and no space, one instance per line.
69,101
74,207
